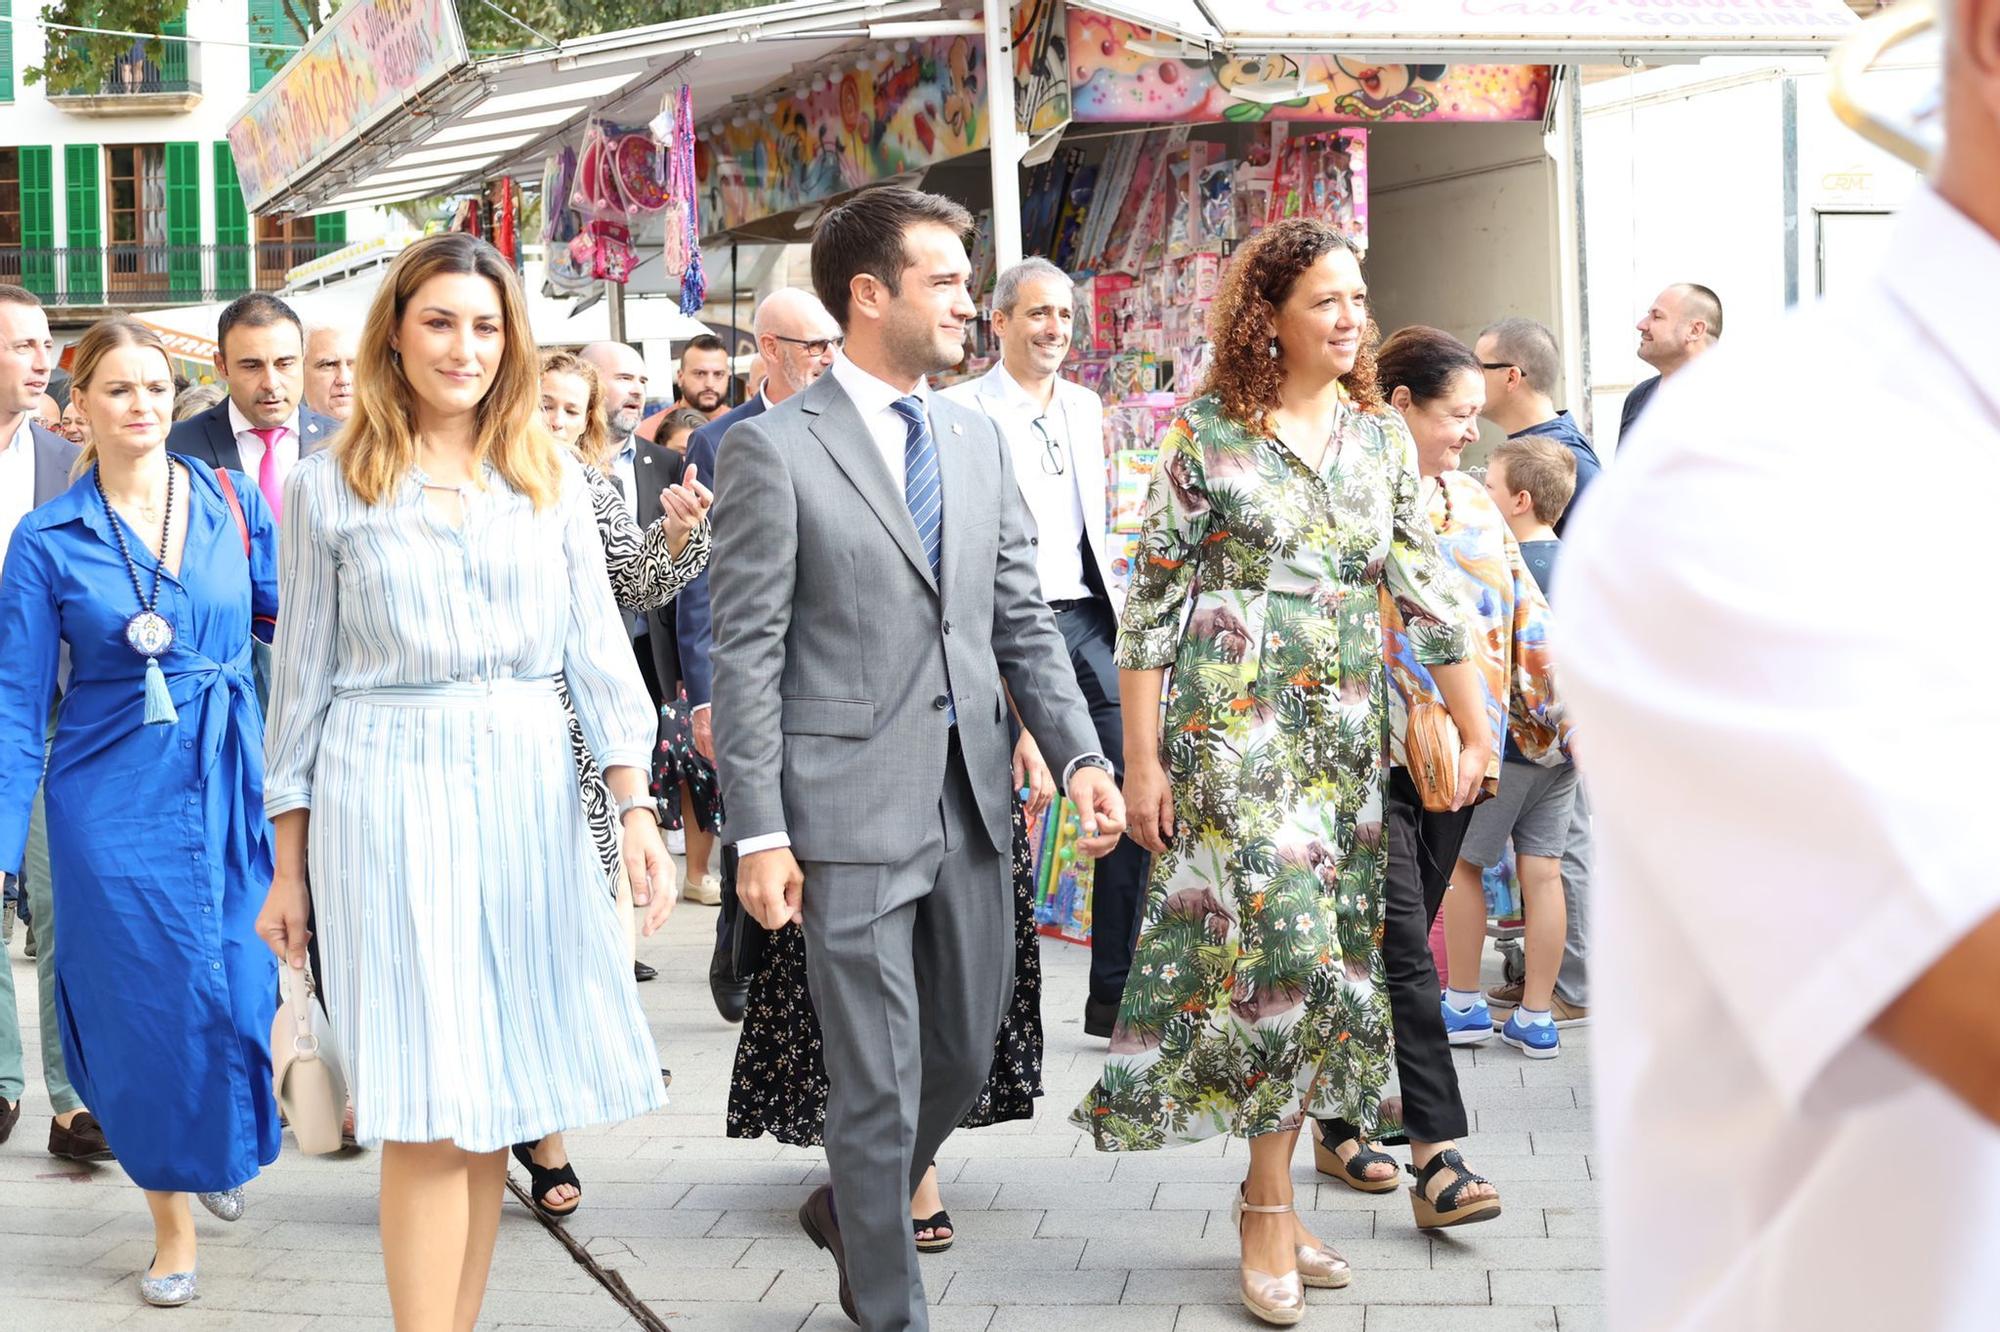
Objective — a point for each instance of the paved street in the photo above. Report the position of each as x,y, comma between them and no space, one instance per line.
701,1228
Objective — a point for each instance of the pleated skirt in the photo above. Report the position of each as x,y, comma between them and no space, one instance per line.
476,970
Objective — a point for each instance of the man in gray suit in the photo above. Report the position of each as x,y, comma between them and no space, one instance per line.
34,468
875,603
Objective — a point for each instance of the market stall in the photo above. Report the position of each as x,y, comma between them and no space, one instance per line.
1134,142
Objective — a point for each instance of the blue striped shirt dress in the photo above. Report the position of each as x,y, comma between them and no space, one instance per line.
475,967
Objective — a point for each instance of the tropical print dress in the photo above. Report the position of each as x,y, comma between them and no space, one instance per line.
1257,993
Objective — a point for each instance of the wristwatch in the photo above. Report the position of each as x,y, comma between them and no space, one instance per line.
641,801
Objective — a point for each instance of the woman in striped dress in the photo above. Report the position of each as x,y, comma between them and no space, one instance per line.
439,568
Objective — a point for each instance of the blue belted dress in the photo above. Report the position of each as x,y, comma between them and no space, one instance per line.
160,854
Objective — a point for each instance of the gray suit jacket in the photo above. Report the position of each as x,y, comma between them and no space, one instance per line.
54,456
207,436
834,647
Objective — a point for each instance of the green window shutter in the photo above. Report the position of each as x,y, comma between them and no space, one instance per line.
269,22
184,219
174,56
6,54
330,230
86,225
38,221
232,228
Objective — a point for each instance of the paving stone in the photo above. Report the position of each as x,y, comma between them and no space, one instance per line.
1464,1249
1093,1169
1576,1288
1320,1317
1042,1197
1092,1222
1572,1222
1517,1319
1067,1288
1581,1318
27,1312
736,1316
1090,1318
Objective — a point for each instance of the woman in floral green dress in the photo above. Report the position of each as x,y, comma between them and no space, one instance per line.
1286,500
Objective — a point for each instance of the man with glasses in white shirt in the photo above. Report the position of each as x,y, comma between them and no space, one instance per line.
1772,626
1055,430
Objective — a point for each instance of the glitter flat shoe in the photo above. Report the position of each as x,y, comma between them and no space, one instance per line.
166,1292
227,1206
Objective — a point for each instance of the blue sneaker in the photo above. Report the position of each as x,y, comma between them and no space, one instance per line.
1469,1026
1537,1040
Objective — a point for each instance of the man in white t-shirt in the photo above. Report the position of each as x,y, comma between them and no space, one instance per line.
1778,637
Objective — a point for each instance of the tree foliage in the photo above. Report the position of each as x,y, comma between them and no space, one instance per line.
76,62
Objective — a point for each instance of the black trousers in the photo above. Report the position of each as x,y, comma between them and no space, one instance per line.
1118,897
1423,849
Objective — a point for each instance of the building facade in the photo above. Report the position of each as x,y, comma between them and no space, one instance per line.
118,191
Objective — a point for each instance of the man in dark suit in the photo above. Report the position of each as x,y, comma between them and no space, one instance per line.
797,339
35,467
262,429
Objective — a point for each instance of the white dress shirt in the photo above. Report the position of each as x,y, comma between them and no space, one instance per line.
876,400
1776,632
17,481
253,448
625,469
1053,498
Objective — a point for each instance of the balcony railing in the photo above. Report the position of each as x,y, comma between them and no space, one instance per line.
154,275
169,68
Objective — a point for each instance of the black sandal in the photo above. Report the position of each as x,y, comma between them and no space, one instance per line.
1352,1172
543,1181
1447,1210
942,1221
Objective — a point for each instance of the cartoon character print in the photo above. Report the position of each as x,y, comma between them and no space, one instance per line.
1383,92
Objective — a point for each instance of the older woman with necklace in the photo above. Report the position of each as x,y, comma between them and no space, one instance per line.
148,571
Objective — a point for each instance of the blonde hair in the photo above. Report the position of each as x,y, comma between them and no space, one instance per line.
377,448
106,336
595,441
1543,468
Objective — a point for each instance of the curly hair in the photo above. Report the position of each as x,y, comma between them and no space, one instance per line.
1244,375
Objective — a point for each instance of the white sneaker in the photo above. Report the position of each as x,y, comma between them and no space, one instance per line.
677,842
704,891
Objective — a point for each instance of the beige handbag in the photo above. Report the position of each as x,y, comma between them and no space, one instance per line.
305,1074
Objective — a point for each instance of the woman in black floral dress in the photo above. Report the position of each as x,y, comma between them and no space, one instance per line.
779,1086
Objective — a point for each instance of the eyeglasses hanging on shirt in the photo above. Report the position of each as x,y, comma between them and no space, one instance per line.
1052,454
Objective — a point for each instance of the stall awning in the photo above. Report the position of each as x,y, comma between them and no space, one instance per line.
384,104
1511,32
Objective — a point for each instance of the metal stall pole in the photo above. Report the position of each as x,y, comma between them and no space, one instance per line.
1004,142
614,305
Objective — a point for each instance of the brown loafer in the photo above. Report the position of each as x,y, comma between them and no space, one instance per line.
10,1115
817,1220
83,1140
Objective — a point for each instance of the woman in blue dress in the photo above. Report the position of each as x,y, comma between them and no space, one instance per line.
440,568
147,572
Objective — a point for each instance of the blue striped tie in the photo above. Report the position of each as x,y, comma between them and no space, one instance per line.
923,491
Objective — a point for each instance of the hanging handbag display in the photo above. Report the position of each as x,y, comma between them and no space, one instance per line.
311,1093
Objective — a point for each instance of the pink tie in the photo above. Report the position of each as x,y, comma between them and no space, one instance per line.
267,470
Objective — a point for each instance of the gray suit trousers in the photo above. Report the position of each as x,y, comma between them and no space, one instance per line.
911,965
